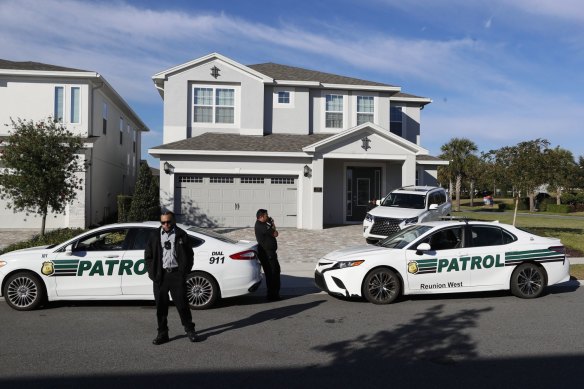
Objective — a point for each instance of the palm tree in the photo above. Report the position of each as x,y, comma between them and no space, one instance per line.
458,151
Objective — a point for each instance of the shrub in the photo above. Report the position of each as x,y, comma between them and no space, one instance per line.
50,238
124,205
562,208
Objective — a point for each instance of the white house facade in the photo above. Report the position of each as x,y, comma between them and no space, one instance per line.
313,148
88,106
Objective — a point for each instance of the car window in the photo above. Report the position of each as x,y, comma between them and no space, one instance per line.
404,237
446,239
404,200
141,236
212,234
490,236
108,240
195,242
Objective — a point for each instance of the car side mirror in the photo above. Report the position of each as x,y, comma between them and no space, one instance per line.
377,202
433,207
422,247
69,249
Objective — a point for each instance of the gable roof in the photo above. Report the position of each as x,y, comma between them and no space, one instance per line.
29,65
292,73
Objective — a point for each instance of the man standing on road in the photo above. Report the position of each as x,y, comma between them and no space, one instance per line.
265,232
169,258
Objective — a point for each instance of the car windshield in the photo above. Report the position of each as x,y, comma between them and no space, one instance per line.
402,238
404,200
212,234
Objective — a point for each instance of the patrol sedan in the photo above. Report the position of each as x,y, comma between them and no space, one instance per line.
445,257
107,263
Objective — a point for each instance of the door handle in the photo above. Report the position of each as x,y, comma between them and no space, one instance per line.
112,256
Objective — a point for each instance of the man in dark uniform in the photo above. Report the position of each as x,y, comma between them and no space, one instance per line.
169,258
265,232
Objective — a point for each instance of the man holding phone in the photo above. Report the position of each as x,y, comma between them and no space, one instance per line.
266,234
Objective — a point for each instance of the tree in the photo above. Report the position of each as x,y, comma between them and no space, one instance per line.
41,166
457,151
525,167
146,199
473,171
564,170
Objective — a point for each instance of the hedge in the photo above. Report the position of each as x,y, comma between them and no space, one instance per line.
562,208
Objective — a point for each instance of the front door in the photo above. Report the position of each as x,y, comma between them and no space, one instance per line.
363,188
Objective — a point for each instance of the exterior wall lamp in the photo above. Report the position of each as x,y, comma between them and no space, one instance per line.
307,171
168,168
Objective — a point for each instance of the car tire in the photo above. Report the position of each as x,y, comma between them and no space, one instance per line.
381,286
202,290
528,281
24,291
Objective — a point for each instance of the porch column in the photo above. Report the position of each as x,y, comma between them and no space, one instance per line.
317,193
409,171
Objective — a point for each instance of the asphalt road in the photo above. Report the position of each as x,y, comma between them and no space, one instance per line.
311,340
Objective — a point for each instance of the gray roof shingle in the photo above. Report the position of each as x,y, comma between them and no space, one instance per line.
233,142
29,65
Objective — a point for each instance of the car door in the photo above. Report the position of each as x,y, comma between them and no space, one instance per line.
92,267
137,282
487,251
444,267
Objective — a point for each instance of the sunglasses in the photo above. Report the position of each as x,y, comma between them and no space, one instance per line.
166,222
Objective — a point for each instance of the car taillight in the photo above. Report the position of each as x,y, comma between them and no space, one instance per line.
558,249
244,255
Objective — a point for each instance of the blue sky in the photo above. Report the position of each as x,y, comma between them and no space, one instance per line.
499,72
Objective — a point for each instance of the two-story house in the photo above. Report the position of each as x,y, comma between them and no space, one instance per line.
313,148
88,106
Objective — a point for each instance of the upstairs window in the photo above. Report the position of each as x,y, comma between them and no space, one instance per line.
365,109
121,129
104,118
334,111
396,121
75,104
214,105
284,97
59,101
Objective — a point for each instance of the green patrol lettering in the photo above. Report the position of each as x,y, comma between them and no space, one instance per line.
469,263
125,266
108,267
140,267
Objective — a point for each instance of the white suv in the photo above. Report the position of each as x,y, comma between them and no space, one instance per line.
404,206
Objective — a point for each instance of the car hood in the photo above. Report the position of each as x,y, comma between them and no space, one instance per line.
352,252
26,251
395,212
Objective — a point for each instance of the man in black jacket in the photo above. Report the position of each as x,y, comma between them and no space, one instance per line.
169,259
266,234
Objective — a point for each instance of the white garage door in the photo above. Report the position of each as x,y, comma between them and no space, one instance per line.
232,201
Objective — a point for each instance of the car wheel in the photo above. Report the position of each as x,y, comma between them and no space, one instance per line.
24,291
528,281
381,286
202,290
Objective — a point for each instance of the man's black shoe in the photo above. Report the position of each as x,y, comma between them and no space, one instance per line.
160,339
274,298
193,337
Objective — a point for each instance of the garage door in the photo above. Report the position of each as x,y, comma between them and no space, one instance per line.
232,201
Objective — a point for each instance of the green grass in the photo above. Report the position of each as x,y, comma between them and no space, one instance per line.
577,271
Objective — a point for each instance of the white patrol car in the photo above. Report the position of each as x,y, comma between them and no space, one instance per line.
445,257
405,206
107,263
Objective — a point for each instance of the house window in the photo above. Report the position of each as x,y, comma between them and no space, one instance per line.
282,181
195,179
334,111
75,104
284,97
252,180
134,144
221,180
59,101
121,129
365,109
396,121
214,105
104,118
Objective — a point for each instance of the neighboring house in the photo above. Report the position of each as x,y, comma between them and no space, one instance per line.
89,107
313,148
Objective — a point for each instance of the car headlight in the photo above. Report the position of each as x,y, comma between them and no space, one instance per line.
412,220
369,218
2,263
342,265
